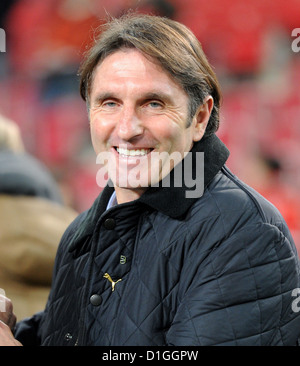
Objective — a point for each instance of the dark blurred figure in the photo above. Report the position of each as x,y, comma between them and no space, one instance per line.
265,173
163,8
21,173
32,221
5,6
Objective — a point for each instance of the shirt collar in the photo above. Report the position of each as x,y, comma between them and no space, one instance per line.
112,201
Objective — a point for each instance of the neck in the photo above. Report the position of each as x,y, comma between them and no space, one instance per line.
127,195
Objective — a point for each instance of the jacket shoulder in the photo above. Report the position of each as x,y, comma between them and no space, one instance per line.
234,199
265,212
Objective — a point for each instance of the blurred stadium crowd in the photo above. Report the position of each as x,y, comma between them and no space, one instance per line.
248,42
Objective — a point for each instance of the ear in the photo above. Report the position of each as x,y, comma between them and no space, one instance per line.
201,118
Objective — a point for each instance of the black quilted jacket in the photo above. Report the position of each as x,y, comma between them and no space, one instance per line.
214,270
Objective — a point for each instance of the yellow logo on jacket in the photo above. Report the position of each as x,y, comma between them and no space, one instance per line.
113,283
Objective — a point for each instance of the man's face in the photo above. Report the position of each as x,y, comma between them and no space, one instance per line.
137,112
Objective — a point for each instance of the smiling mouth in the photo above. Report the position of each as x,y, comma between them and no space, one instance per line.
133,152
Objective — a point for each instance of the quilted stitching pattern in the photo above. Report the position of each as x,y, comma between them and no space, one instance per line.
202,280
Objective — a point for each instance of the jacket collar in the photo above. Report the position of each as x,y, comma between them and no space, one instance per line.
170,200
174,201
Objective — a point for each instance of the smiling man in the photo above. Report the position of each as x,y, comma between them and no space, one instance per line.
145,265
140,116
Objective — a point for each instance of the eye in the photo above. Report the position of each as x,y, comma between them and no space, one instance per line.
155,104
109,104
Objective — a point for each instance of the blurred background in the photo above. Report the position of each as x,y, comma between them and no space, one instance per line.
248,43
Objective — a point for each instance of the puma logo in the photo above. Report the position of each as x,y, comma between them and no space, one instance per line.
113,283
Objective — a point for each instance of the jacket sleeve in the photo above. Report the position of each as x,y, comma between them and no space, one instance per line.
27,331
241,293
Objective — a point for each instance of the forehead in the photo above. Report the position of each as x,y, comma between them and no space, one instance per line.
130,66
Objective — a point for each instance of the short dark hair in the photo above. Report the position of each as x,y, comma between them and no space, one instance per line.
171,43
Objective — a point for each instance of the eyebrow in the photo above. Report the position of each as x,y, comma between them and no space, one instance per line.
147,96
157,96
103,96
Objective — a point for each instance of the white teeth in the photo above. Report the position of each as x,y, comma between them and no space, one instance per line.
137,152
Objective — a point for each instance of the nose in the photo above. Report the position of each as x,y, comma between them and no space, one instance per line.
129,125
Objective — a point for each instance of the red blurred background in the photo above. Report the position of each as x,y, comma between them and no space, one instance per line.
248,43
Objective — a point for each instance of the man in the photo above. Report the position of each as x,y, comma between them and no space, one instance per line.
153,263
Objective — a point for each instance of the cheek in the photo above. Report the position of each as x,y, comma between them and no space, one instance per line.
173,124
172,136
98,135
164,128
